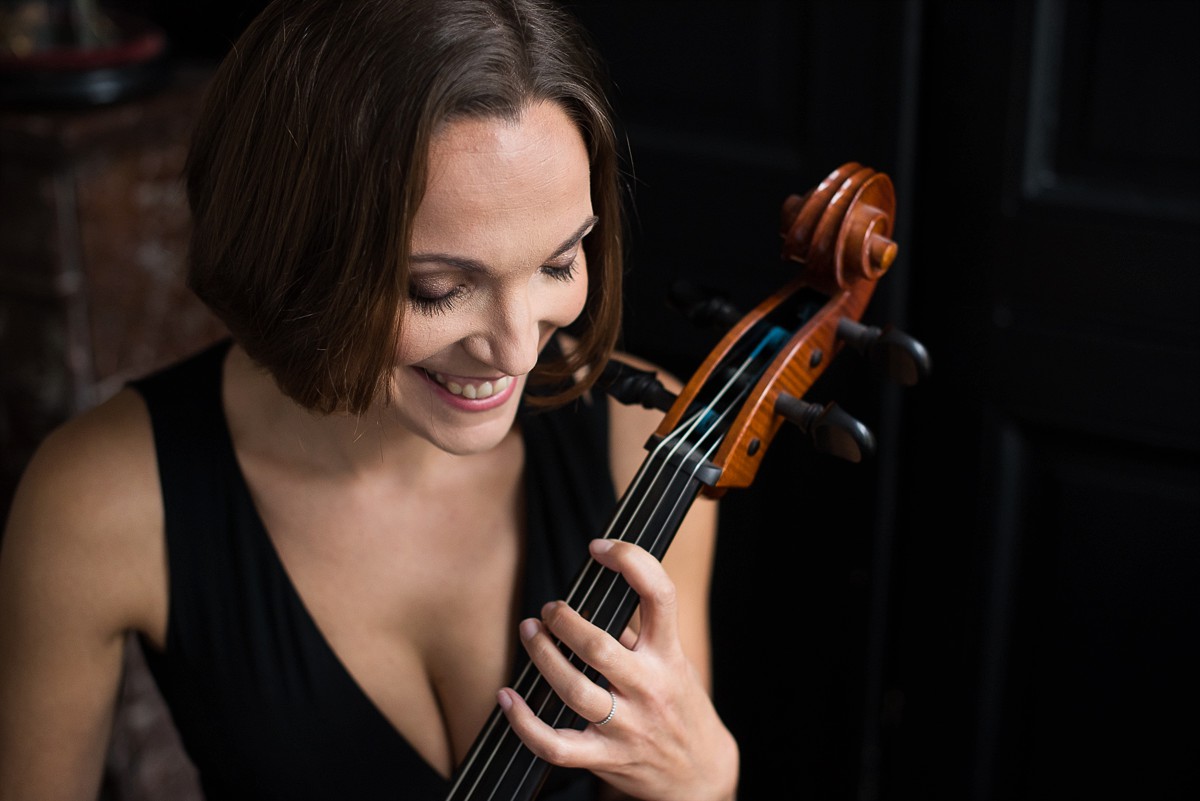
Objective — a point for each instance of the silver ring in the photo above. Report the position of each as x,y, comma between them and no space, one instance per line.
612,711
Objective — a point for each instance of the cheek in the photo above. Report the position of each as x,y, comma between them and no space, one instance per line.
421,337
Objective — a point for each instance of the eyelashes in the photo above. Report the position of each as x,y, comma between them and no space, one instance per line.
436,305
564,272
432,305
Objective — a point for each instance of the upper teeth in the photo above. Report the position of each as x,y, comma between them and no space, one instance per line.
479,391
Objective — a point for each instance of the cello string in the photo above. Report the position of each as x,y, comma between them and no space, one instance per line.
574,658
683,432
679,500
659,501
495,721
660,498
498,720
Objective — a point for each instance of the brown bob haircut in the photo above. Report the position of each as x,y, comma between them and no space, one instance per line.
309,162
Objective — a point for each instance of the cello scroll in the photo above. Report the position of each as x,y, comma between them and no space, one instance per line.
840,234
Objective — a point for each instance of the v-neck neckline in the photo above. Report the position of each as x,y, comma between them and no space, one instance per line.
301,609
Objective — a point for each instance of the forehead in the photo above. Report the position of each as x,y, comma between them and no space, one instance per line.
492,182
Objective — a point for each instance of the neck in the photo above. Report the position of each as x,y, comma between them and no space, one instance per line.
266,421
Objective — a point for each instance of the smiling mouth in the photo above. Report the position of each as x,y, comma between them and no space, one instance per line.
471,390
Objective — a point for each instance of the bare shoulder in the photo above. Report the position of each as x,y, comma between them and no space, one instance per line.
87,515
81,563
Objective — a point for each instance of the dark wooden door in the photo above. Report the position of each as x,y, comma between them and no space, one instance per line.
1046,607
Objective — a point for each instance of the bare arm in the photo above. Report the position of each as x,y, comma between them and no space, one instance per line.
80,565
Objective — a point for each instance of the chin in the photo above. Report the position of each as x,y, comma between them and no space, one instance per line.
431,413
470,440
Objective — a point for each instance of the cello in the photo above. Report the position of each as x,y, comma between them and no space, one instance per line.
714,434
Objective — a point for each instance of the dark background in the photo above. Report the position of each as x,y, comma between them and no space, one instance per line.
1002,603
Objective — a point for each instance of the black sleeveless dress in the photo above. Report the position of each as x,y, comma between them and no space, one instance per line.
264,707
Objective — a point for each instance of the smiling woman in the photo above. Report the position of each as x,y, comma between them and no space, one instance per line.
339,533
337,112
485,298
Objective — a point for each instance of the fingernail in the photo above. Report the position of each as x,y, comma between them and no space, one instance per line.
601,546
548,608
528,628
504,700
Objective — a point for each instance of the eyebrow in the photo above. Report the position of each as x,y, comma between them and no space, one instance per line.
476,266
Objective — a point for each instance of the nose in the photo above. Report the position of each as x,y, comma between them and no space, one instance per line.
512,336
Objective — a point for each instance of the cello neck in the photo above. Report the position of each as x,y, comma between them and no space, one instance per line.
499,767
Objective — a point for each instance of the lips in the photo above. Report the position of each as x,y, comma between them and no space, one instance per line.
472,389
471,394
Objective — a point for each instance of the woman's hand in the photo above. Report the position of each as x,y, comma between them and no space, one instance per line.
664,740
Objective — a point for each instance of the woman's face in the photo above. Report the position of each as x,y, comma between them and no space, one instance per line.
497,265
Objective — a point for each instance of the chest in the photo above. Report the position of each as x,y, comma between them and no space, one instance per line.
414,587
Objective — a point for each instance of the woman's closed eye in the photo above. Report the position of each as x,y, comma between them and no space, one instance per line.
431,301
563,270
435,297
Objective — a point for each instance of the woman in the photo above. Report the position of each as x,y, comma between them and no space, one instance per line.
327,531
